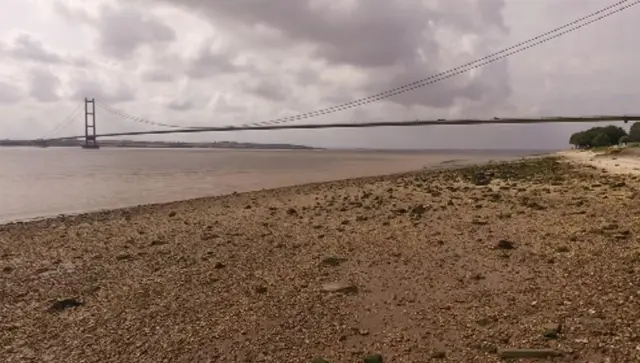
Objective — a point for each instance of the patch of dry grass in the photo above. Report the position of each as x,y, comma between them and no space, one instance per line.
448,265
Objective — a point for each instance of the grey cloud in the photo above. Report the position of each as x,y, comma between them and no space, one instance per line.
307,76
222,105
44,85
158,75
122,30
26,47
9,94
209,63
391,41
267,89
103,92
181,105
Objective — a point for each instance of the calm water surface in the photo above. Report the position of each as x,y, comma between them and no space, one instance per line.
46,182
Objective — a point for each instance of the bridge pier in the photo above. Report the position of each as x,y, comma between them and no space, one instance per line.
90,139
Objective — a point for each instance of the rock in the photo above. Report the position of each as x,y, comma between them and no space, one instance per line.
172,214
60,305
478,277
482,179
292,212
376,358
124,257
261,289
343,287
504,244
552,330
219,265
439,354
158,243
333,261
528,353
418,210
319,360
483,322
479,222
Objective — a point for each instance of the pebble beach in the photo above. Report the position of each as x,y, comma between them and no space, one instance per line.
468,264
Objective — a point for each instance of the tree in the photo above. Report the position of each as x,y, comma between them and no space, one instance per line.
614,133
634,132
598,137
600,140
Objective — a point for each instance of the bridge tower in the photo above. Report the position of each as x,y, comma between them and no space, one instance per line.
90,140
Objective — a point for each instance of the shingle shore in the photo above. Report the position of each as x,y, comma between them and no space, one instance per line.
448,266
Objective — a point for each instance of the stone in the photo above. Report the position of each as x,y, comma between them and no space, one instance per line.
482,179
418,210
342,287
528,353
333,261
60,305
376,358
124,257
551,330
504,244
319,360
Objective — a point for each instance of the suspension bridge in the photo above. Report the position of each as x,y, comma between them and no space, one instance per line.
91,136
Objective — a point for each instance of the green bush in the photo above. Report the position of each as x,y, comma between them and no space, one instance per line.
634,132
599,137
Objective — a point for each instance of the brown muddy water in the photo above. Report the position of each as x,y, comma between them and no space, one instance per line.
38,183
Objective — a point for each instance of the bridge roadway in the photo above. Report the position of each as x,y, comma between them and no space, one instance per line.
440,122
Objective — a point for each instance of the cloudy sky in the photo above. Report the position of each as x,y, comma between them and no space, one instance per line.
222,62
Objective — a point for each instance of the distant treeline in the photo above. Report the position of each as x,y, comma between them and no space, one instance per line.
152,144
605,136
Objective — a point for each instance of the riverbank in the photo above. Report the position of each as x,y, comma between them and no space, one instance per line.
450,265
614,160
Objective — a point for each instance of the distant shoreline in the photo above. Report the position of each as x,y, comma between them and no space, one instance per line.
156,144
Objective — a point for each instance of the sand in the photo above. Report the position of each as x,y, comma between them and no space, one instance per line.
627,161
443,266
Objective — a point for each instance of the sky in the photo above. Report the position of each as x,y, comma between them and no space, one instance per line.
220,62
